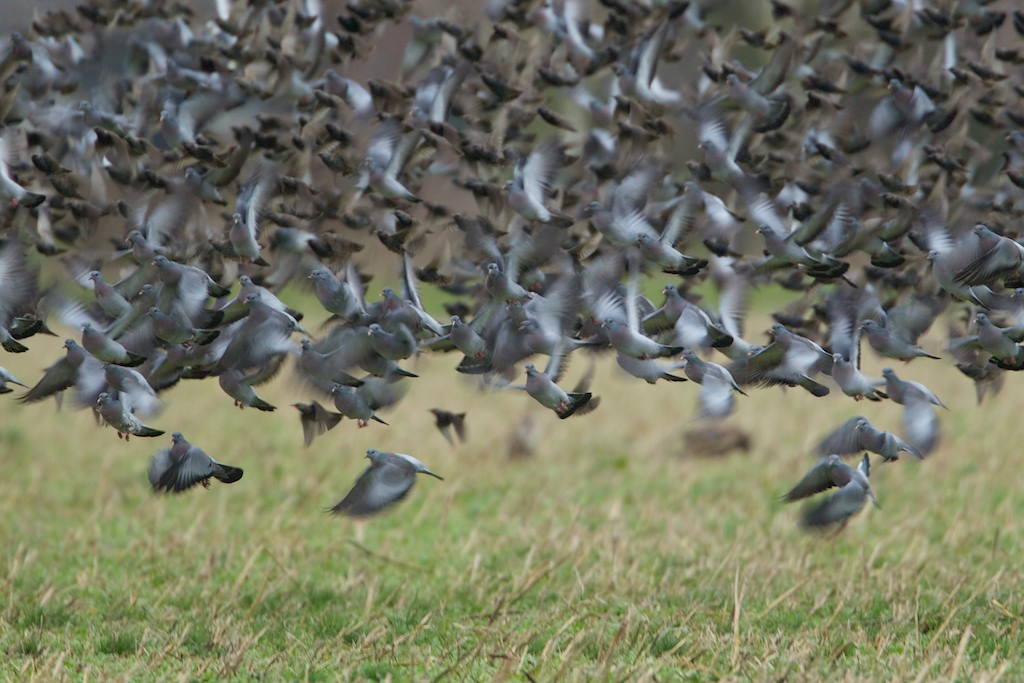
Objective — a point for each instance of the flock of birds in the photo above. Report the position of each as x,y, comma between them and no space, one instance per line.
164,175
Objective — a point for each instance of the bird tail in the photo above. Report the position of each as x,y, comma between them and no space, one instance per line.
12,346
260,404
208,318
472,366
227,473
31,200
377,419
560,221
148,431
204,337
810,385
669,377
215,290
578,403
133,360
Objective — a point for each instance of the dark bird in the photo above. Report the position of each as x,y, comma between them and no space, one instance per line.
445,421
316,420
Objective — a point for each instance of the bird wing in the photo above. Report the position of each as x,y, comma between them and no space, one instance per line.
845,439
837,508
160,464
716,399
192,468
538,171
819,478
759,367
377,487
732,304
920,424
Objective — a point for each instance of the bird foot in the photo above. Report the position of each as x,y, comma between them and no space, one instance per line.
120,435
206,484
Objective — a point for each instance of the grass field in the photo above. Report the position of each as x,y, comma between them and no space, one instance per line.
610,555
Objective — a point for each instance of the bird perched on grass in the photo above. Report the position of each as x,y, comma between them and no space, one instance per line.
387,480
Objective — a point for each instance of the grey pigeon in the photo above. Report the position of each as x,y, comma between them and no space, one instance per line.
501,286
117,412
857,434
630,342
334,295
352,404
324,370
853,382
244,240
106,349
543,389
531,180
838,508
239,386
716,386
667,257
177,329
890,344
790,359
59,376
1001,342
919,421
387,480
183,465
107,297
649,370
1000,257
398,345
18,286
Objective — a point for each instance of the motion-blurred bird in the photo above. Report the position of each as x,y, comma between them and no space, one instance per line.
837,509
183,465
387,480
446,421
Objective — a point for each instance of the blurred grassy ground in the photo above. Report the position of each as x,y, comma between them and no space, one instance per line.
611,555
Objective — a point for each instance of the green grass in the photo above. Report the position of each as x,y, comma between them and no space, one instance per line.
611,555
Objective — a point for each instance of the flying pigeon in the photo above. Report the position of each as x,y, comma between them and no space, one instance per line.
183,465
387,480
838,508
857,434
